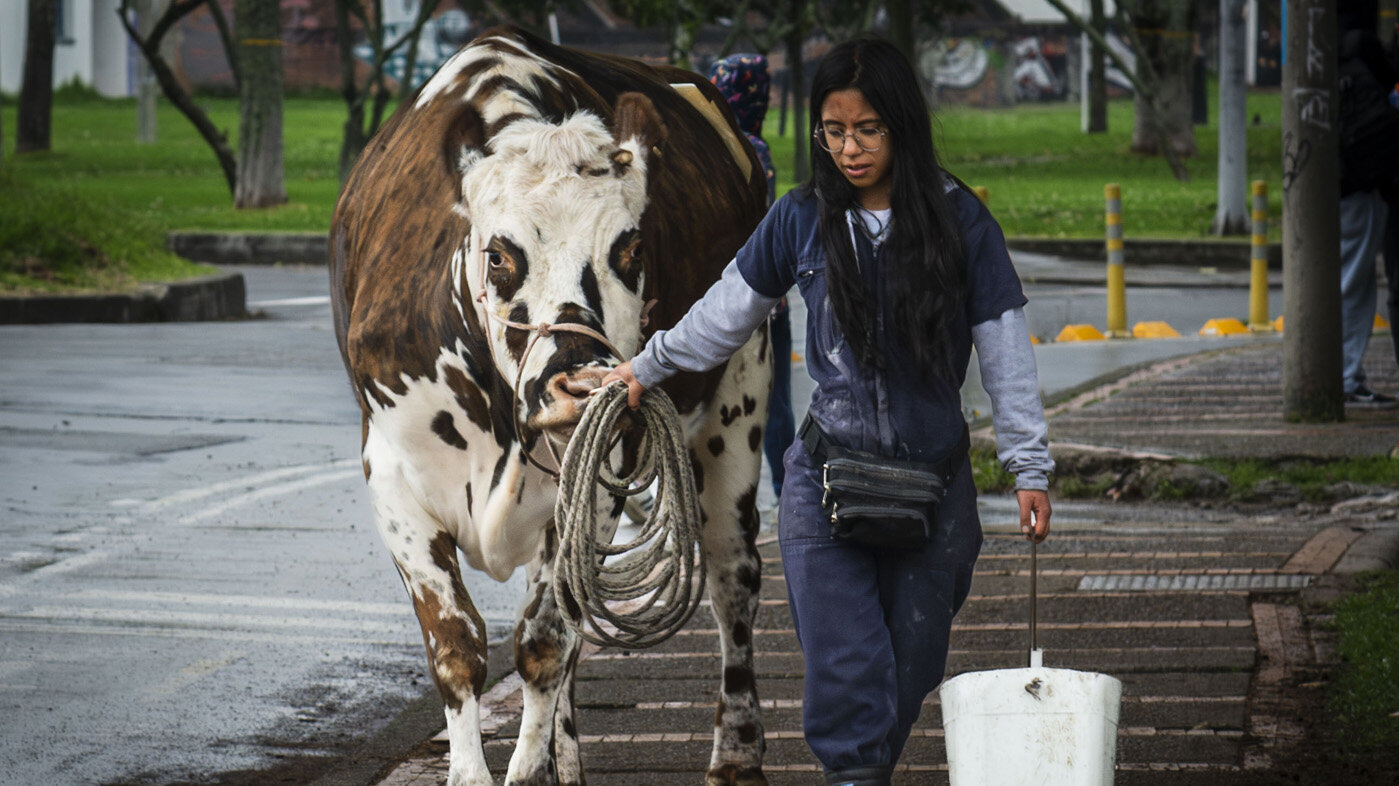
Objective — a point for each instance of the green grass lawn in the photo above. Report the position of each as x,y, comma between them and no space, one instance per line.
1364,697
1045,179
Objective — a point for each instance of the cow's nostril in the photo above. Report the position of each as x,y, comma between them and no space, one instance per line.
578,387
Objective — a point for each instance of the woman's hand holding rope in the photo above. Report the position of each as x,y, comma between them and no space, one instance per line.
623,373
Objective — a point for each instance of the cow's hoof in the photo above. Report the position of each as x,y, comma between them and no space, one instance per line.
735,775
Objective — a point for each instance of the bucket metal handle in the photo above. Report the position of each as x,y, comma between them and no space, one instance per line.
1034,576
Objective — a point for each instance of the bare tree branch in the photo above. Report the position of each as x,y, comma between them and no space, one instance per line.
170,86
226,35
1143,82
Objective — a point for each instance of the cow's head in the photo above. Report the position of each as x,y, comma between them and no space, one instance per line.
556,238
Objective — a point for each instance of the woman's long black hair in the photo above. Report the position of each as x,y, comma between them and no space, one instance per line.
924,251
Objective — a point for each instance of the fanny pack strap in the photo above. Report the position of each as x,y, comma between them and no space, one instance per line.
818,446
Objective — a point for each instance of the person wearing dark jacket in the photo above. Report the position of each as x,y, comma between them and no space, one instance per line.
743,80
1369,168
902,271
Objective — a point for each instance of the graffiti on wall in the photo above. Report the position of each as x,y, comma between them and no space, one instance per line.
956,63
1040,71
439,39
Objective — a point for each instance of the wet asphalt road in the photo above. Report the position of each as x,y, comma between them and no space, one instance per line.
190,581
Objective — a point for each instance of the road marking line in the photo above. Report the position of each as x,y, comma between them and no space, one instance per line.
193,673
217,620
62,566
257,601
152,631
309,300
190,495
270,491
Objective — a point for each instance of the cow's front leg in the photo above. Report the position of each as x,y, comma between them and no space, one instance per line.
728,456
453,631
546,653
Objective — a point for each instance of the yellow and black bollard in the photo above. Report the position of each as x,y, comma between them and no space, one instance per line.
1117,281
1258,262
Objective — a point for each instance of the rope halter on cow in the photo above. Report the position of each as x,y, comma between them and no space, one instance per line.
656,579
540,330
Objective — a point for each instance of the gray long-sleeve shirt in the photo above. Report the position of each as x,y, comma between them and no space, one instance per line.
724,319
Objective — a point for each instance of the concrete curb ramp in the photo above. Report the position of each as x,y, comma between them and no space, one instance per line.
218,296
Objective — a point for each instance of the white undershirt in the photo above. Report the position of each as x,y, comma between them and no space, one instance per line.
876,223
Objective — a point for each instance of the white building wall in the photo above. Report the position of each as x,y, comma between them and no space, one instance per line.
111,51
72,53
92,48
14,16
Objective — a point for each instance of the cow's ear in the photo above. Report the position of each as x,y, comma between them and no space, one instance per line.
637,128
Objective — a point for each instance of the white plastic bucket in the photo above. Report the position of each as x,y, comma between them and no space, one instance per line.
1018,727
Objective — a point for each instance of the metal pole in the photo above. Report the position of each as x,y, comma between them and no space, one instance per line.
1117,282
1258,261
1311,373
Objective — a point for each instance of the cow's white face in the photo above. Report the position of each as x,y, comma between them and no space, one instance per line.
556,215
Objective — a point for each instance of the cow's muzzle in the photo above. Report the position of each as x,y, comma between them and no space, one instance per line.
562,400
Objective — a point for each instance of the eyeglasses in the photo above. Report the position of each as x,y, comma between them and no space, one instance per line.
867,138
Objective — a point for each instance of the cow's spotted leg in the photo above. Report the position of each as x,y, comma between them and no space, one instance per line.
728,453
546,651
453,630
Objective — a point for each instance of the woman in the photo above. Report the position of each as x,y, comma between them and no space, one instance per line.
902,270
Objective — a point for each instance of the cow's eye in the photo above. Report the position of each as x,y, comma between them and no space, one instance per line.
636,251
496,260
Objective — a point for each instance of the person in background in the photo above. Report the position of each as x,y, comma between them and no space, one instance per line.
1369,170
1391,199
902,271
744,82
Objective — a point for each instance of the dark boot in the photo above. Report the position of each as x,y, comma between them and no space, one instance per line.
859,776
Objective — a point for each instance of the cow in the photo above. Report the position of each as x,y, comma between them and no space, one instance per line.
527,185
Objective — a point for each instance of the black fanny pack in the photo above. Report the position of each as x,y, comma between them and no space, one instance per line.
880,501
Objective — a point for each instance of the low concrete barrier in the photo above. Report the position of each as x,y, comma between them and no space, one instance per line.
219,296
234,248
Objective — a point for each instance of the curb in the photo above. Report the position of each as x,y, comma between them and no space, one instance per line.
212,297
235,248
1223,254
310,248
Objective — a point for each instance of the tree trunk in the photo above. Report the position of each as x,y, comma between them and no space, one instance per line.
1231,216
36,93
901,27
1311,243
1097,74
146,86
1164,31
257,31
801,127
2,131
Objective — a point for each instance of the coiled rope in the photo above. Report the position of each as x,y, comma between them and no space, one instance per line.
654,582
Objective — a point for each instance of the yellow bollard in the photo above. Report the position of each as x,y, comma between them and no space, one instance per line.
983,193
1258,262
1117,282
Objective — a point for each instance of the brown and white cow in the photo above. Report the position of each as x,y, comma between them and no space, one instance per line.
584,185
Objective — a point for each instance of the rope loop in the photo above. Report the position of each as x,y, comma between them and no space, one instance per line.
639,593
